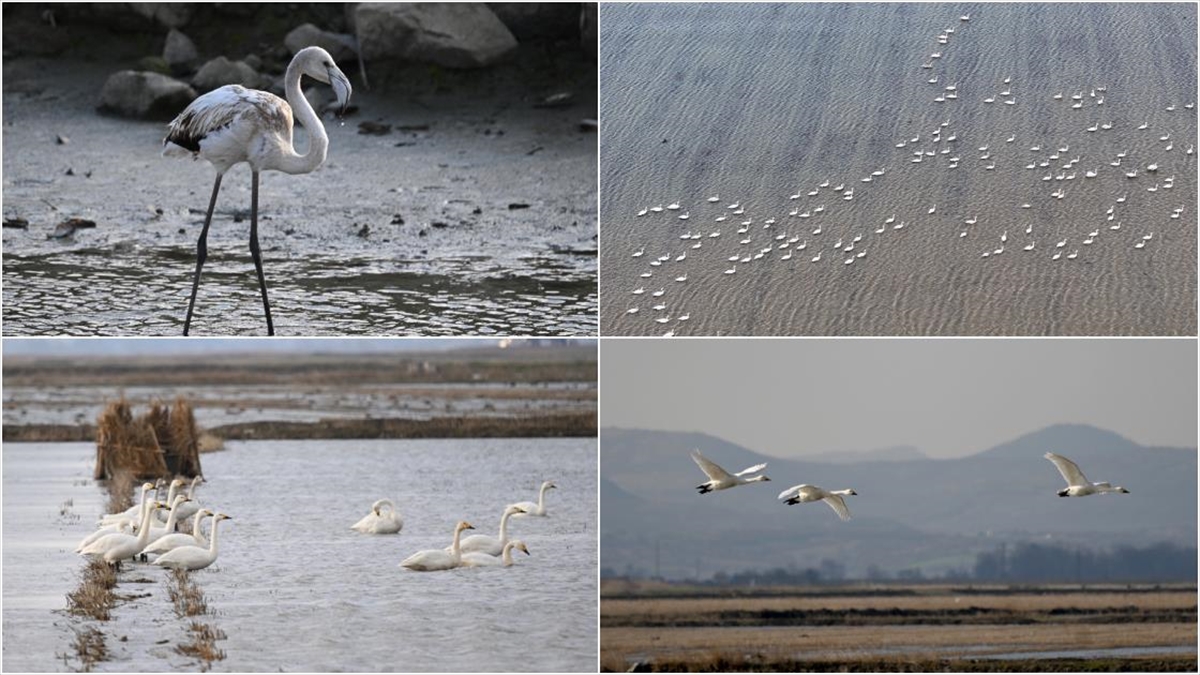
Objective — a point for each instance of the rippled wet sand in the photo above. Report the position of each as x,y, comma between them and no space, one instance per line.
757,103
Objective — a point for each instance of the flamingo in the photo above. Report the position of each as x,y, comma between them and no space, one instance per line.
232,124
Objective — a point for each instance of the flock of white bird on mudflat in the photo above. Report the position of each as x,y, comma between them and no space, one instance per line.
477,550
719,479
765,236
142,530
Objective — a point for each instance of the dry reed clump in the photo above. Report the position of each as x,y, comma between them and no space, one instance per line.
94,597
203,644
161,442
187,596
120,491
123,443
90,648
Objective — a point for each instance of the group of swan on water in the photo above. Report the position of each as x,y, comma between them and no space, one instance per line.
142,530
478,550
719,479
795,239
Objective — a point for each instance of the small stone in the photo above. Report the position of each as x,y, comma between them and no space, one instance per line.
62,140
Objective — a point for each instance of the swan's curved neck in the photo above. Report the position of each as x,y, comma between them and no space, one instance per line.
507,557
318,142
170,526
144,532
542,497
196,531
212,545
456,549
192,488
504,526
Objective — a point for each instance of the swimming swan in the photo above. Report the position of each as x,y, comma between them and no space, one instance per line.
538,509
488,545
193,557
720,479
377,522
485,560
1077,483
811,493
432,560
172,541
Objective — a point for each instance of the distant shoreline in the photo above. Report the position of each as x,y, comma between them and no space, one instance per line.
534,426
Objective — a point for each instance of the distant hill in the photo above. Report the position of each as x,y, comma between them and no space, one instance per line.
895,453
935,513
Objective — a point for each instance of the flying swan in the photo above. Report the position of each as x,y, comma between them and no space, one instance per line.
1077,483
720,479
811,493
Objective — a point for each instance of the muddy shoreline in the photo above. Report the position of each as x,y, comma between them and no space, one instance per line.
474,214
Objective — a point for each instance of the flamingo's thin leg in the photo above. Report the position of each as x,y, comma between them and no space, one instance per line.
262,282
201,253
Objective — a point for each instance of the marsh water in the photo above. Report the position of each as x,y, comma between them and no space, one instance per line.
294,589
778,111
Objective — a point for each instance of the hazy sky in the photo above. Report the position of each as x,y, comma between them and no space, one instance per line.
947,397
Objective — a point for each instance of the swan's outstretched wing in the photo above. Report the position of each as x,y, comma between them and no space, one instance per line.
838,504
796,490
754,469
1069,470
713,471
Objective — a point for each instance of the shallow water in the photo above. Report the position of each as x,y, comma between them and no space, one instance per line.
145,292
755,103
296,589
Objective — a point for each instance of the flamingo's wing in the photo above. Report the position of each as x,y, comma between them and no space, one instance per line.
838,504
754,469
1069,470
713,471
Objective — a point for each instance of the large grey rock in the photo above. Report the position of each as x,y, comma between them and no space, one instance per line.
169,14
449,34
340,46
144,95
221,71
180,52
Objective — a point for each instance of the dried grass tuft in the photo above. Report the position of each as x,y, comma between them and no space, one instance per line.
90,648
94,597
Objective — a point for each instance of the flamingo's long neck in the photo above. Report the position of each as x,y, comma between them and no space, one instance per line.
318,141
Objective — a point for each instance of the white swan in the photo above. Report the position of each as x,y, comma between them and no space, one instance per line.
190,507
378,522
1078,484
485,560
117,547
133,513
535,509
172,518
489,545
431,560
177,539
720,479
193,557
799,494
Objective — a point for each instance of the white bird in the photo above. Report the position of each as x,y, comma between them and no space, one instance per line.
177,539
193,557
720,479
485,560
117,547
232,124
799,494
378,521
1078,484
432,560
486,544
538,508
133,513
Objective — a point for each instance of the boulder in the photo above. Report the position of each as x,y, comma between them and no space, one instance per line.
132,93
340,46
221,71
180,52
454,35
169,14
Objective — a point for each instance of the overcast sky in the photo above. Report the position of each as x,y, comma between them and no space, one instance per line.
947,397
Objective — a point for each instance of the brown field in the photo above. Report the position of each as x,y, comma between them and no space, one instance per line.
897,628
